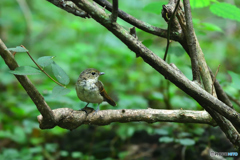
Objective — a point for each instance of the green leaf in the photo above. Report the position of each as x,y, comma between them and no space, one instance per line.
26,70
18,49
187,141
45,61
37,149
211,27
199,3
161,131
166,139
51,147
5,134
156,96
155,7
76,154
64,153
226,10
123,154
59,73
59,91
235,79
19,135
199,131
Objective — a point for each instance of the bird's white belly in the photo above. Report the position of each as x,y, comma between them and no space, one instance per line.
87,91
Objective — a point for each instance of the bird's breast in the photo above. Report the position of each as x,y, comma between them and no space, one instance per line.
88,91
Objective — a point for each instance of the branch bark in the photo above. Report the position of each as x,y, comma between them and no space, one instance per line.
71,119
70,7
220,92
114,11
191,40
195,49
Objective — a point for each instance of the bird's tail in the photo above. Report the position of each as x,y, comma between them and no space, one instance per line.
107,97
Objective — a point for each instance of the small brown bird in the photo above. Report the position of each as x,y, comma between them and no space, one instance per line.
89,89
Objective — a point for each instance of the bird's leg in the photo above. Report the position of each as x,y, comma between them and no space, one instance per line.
97,107
86,105
83,109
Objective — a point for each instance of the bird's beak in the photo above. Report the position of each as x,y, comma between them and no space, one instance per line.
101,73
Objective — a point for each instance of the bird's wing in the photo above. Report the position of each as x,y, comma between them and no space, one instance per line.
104,93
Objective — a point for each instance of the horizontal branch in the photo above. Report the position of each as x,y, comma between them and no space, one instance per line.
71,119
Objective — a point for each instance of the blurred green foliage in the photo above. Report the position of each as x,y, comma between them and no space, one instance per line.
46,30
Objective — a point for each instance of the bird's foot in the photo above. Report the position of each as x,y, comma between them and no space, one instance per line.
87,110
96,110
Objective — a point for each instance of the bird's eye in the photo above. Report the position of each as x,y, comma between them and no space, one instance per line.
93,73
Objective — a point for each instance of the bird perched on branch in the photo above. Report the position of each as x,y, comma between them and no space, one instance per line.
89,89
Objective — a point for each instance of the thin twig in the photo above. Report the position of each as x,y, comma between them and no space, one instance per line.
168,31
234,100
214,78
222,96
43,69
191,41
114,11
133,32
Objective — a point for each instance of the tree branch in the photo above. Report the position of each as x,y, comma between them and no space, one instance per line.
71,119
140,24
70,7
114,11
197,52
191,88
168,10
227,127
191,41
171,21
33,93
220,92
233,99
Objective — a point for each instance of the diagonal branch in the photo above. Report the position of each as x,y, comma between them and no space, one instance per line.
220,92
33,93
70,7
227,127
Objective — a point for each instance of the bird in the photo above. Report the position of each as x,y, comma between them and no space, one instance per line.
89,89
